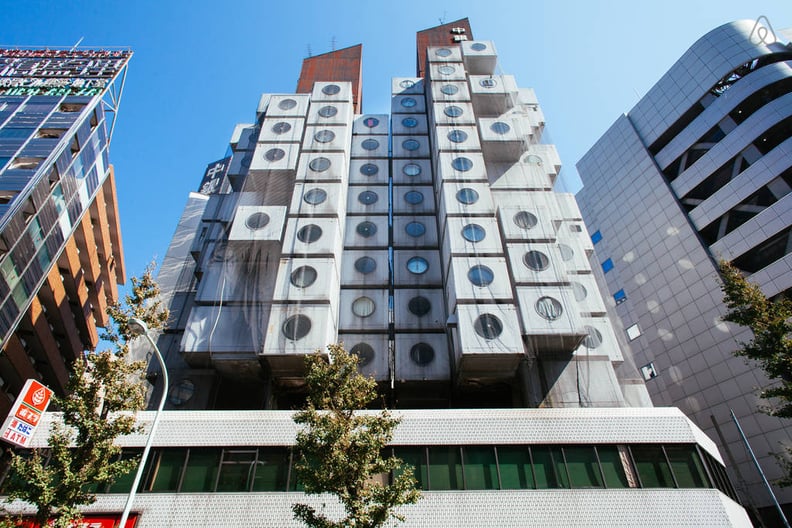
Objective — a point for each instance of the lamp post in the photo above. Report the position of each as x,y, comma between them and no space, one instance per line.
138,327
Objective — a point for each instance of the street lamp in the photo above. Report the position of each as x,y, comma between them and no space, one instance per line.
138,327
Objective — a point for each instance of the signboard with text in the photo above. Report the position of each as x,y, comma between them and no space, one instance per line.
25,415
91,521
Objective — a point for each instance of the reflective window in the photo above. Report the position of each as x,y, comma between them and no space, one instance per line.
331,89
499,127
411,144
309,233
533,159
324,136
287,104
593,338
481,468
478,46
413,197
367,197
257,221
445,468
281,128
370,144
303,276
488,326
567,253
366,229
473,233
579,291
363,306
652,467
457,136
169,464
408,102
687,467
453,111
369,169
319,164
296,327
515,467
272,469
415,229
525,220
407,83
449,89
412,169
201,471
365,265
410,122
446,69
549,308
417,265
442,52
274,154
370,122
536,260
419,305
548,464
480,275
488,83
236,470
582,466
467,196
315,196
462,164
422,354
327,111
364,353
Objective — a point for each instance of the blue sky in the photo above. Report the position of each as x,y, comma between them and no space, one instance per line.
199,68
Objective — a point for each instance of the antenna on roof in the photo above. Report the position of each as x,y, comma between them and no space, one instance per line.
333,43
309,51
442,18
77,44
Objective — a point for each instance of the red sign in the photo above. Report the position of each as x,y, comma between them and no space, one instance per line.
90,521
24,417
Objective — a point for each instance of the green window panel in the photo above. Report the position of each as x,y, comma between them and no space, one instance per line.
445,468
123,484
515,467
167,469
201,471
612,467
653,470
272,470
481,470
549,468
687,466
236,470
415,458
584,471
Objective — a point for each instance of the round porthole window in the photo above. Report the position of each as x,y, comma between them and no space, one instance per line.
363,306
442,52
499,127
310,233
365,265
453,111
257,220
411,144
327,111
481,275
407,83
287,104
579,291
467,196
533,159
417,265
408,102
364,353
315,196
411,169
415,229
446,70
369,169
462,164
536,260
367,197
303,276
370,144
422,354
457,136
370,122
281,128
525,220
182,392
319,164
366,229
567,253
331,89
410,122
488,326
419,306
324,136
593,339
274,154
449,89
296,327
478,46
413,197
473,233
488,82
549,308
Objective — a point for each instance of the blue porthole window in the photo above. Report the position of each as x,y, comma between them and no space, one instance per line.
410,122
368,197
331,89
462,164
453,111
596,237
467,196
324,136
370,144
315,196
442,52
408,102
274,154
281,127
411,169
366,229
607,265
365,265
499,127
327,111
319,164
371,122
417,265
457,136
478,46
449,89
620,296
369,169
411,144
473,233
413,197
446,70
481,275
415,229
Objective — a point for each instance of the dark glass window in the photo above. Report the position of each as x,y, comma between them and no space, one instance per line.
365,265
272,469
324,136
274,154
369,169
236,470
653,470
612,467
296,327
414,459
281,127
310,233
319,164
481,470
370,144
584,471
422,354
327,111
488,326
687,466
413,197
315,196
367,197
364,353
366,229
419,306
303,276
169,464
445,468
410,122
549,468
536,260
411,144
415,229
331,89
201,471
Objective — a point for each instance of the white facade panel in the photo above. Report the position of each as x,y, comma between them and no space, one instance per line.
366,232
365,268
363,310
368,172
282,130
283,105
367,124
322,113
326,138
321,167
411,146
372,351
412,171
422,357
367,199
419,309
407,234
454,166
311,199
332,91
465,198
313,280
413,199
370,146
313,236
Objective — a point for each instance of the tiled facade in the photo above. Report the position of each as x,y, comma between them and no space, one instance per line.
700,170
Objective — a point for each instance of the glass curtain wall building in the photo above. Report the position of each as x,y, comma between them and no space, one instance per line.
700,170
60,241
